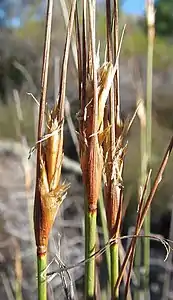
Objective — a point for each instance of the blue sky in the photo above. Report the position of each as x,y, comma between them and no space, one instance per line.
134,6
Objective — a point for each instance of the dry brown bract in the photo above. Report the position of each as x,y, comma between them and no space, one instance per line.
50,191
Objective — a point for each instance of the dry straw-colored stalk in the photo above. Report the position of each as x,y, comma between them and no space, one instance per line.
150,14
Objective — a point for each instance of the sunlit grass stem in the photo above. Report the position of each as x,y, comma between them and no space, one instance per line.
143,175
42,284
105,232
149,87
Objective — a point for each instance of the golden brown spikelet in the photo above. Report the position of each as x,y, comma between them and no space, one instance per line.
50,192
54,152
91,151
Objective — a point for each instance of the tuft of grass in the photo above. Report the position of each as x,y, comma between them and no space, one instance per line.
102,149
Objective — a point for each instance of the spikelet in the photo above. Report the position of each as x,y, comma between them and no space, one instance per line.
91,154
50,192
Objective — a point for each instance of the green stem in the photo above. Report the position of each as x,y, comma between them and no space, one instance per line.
106,239
114,270
146,253
143,174
90,248
105,232
137,265
42,285
18,290
148,148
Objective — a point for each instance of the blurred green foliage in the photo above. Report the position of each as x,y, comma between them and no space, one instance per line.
135,45
10,126
164,18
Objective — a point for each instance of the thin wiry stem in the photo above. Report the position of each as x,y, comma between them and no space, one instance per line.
66,18
79,52
157,238
157,180
84,55
116,116
105,235
45,65
137,83
63,79
143,173
141,205
116,80
92,12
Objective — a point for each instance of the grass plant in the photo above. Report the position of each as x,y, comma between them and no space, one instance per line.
102,148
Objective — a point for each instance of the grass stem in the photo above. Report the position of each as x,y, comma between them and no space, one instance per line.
105,232
42,285
90,250
114,269
143,175
151,35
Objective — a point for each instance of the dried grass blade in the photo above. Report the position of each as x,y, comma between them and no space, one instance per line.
44,75
63,79
147,205
140,208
